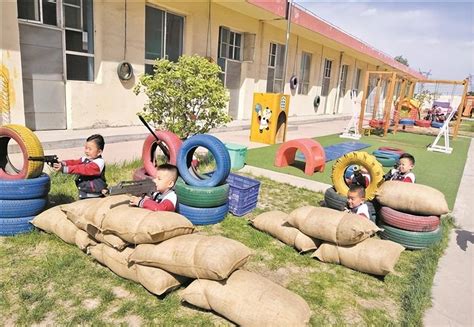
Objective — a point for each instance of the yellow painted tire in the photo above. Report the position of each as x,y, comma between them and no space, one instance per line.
360,158
30,147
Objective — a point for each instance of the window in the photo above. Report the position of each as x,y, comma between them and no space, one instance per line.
230,47
326,77
357,80
304,73
42,11
343,81
163,36
275,68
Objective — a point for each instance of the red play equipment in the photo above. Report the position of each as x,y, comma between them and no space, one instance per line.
313,152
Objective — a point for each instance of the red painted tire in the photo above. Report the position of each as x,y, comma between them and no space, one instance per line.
390,149
409,222
376,123
30,146
140,174
422,123
172,143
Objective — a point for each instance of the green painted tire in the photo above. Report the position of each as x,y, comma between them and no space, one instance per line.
202,196
386,161
410,240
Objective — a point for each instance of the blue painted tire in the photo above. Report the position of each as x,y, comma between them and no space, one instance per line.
22,208
436,124
382,153
13,226
20,189
204,216
407,121
218,150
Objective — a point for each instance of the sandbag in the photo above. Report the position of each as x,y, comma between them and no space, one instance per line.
249,299
75,211
331,225
193,255
138,225
54,221
373,256
413,198
275,224
155,280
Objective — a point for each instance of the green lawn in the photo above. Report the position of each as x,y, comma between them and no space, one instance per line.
44,280
439,170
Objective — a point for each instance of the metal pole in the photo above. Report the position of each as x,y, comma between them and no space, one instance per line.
288,27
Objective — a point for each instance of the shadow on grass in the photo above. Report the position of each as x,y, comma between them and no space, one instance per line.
57,199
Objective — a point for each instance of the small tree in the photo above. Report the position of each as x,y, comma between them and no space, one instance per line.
186,97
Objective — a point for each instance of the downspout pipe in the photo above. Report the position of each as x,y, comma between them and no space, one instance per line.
338,91
288,27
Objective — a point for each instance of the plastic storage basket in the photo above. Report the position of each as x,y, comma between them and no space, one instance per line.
243,194
237,154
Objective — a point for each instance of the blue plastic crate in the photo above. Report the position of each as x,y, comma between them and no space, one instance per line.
243,194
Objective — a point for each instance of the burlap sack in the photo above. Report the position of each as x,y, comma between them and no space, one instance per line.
54,221
109,239
249,299
331,225
138,225
193,255
373,256
275,224
156,280
75,211
412,198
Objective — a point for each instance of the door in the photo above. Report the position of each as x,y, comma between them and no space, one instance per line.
43,77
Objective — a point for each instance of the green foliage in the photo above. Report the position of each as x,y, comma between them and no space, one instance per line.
425,97
186,97
402,60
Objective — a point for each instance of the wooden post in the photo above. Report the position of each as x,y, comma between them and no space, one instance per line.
460,108
365,91
377,97
396,118
388,104
411,92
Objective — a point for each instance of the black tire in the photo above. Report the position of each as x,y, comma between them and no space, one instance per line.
14,226
204,216
218,150
334,200
202,197
20,189
410,240
22,208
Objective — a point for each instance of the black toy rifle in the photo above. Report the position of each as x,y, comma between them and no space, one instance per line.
137,188
158,141
50,160
358,177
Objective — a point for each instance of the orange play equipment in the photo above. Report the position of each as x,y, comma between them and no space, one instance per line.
409,108
313,152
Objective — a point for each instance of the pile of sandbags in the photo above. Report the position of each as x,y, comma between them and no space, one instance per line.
160,251
339,237
410,213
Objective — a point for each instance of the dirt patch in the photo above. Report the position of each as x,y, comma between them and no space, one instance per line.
120,293
90,304
133,321
284,275
10,321
388,306
49,320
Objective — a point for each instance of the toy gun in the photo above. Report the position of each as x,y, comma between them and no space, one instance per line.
388,176
359,179
50,160
137,188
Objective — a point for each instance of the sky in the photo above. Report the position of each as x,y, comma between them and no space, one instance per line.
435,36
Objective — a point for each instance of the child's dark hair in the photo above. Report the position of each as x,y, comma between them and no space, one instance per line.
357,188
169,168
98,140
409,157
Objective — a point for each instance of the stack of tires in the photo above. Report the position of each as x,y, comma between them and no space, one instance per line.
203,199
410,214
23,192
388,156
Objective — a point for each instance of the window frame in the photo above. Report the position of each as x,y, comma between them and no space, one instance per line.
327,69
230,44
303,87
343,80
279,50
356,84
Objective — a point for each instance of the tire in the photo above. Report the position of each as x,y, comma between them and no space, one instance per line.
30,147
204,216
365,159
218,150
390,149
436,124
386,161
422,123
376,123
22,208
202,197
171,141
334,200
407,121
14,226
410,240
409,222
382,153
20,189
140,174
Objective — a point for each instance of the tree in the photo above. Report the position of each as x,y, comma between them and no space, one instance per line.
185,97
402,60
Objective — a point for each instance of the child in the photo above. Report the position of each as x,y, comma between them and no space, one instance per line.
355,201
164,199
90,170
403,172
360,176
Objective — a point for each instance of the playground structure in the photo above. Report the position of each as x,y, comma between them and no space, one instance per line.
313,152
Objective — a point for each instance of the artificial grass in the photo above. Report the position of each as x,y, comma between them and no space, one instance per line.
438,170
